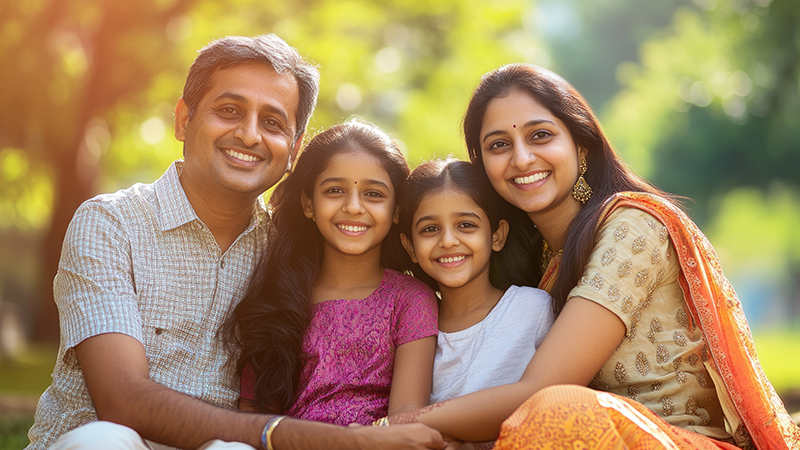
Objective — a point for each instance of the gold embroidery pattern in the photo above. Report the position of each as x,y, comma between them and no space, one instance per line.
669,255
624,269
663,235
677,362
600,236
621,232
668,406
653,224
655,328
655,257
743,439
584,280
705,420
627,302
633,392
662,354
693,359
613,292
680,338
691,406
608,256
704,353
703,380
597,282
656,386
680,376
620,374
642,365
641,277
682,319
638,245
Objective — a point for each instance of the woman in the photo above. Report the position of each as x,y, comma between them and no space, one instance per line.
678,371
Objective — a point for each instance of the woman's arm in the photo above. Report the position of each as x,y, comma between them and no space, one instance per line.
413,372
581,340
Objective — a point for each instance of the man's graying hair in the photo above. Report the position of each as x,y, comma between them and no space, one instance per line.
267,49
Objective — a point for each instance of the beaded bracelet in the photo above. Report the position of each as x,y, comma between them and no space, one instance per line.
382,422
269,428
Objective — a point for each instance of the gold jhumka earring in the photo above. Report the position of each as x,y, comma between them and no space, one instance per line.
582,191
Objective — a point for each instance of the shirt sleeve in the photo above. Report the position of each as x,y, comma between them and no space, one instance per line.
416,312
94,288
628,263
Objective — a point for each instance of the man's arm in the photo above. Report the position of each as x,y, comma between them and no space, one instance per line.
116,372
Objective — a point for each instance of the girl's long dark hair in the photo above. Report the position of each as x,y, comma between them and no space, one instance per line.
606,173
268,325
513,264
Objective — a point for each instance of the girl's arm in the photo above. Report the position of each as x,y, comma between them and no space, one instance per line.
412,376
581,340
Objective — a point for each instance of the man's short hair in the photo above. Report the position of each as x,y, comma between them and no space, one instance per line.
267,49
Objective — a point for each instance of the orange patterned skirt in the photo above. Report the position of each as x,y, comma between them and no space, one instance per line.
576,417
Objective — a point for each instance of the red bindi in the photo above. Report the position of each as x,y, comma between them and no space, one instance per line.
515,125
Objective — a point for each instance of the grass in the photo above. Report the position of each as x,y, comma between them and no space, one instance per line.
29,374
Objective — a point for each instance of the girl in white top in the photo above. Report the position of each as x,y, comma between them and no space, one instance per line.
453,231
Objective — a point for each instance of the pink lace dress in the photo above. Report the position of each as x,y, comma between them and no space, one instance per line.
349,347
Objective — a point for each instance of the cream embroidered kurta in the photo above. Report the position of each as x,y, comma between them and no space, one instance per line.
633,272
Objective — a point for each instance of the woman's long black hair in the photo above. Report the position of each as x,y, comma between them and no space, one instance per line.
606,173
268,325
513,264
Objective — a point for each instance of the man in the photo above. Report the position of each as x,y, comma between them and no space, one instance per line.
149,274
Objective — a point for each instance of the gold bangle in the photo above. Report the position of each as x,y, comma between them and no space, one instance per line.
382,422
269,428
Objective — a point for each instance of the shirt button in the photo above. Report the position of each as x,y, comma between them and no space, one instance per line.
222,264
159,331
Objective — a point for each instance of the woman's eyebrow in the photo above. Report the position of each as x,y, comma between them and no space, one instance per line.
530,123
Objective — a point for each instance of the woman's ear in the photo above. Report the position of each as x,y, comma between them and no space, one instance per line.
409,246
499,237
582,152
307,205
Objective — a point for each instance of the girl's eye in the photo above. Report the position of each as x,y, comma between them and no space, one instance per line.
375,194
467,225
430,229
334,190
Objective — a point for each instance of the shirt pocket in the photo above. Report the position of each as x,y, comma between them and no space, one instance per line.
171,346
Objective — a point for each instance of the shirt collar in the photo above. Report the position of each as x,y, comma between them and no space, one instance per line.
176,210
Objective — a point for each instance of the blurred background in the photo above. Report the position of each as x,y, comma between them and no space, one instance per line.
701,97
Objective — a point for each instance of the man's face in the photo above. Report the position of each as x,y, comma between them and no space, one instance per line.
241,137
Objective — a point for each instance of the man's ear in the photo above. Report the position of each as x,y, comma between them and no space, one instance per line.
298,143
499,237
307,205
181,119
409,246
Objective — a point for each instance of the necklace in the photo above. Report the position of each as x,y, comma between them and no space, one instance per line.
548,255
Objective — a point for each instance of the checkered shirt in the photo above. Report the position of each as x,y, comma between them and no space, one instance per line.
141,263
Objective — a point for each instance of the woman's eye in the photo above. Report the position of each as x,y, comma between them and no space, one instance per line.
541,134
497,145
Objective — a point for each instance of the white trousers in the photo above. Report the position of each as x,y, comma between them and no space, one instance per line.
105,435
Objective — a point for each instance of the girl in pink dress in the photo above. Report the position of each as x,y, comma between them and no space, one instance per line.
328,331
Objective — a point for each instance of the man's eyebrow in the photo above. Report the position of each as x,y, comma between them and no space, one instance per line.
242,99
526,125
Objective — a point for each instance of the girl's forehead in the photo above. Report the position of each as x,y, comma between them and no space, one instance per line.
448,196
354,164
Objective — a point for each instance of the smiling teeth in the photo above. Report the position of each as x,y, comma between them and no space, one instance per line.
352,229
532,178
452,260
241,156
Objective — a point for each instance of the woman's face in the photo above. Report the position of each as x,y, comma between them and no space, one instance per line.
529,156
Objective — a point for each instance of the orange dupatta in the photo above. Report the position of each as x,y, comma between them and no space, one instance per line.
748,398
